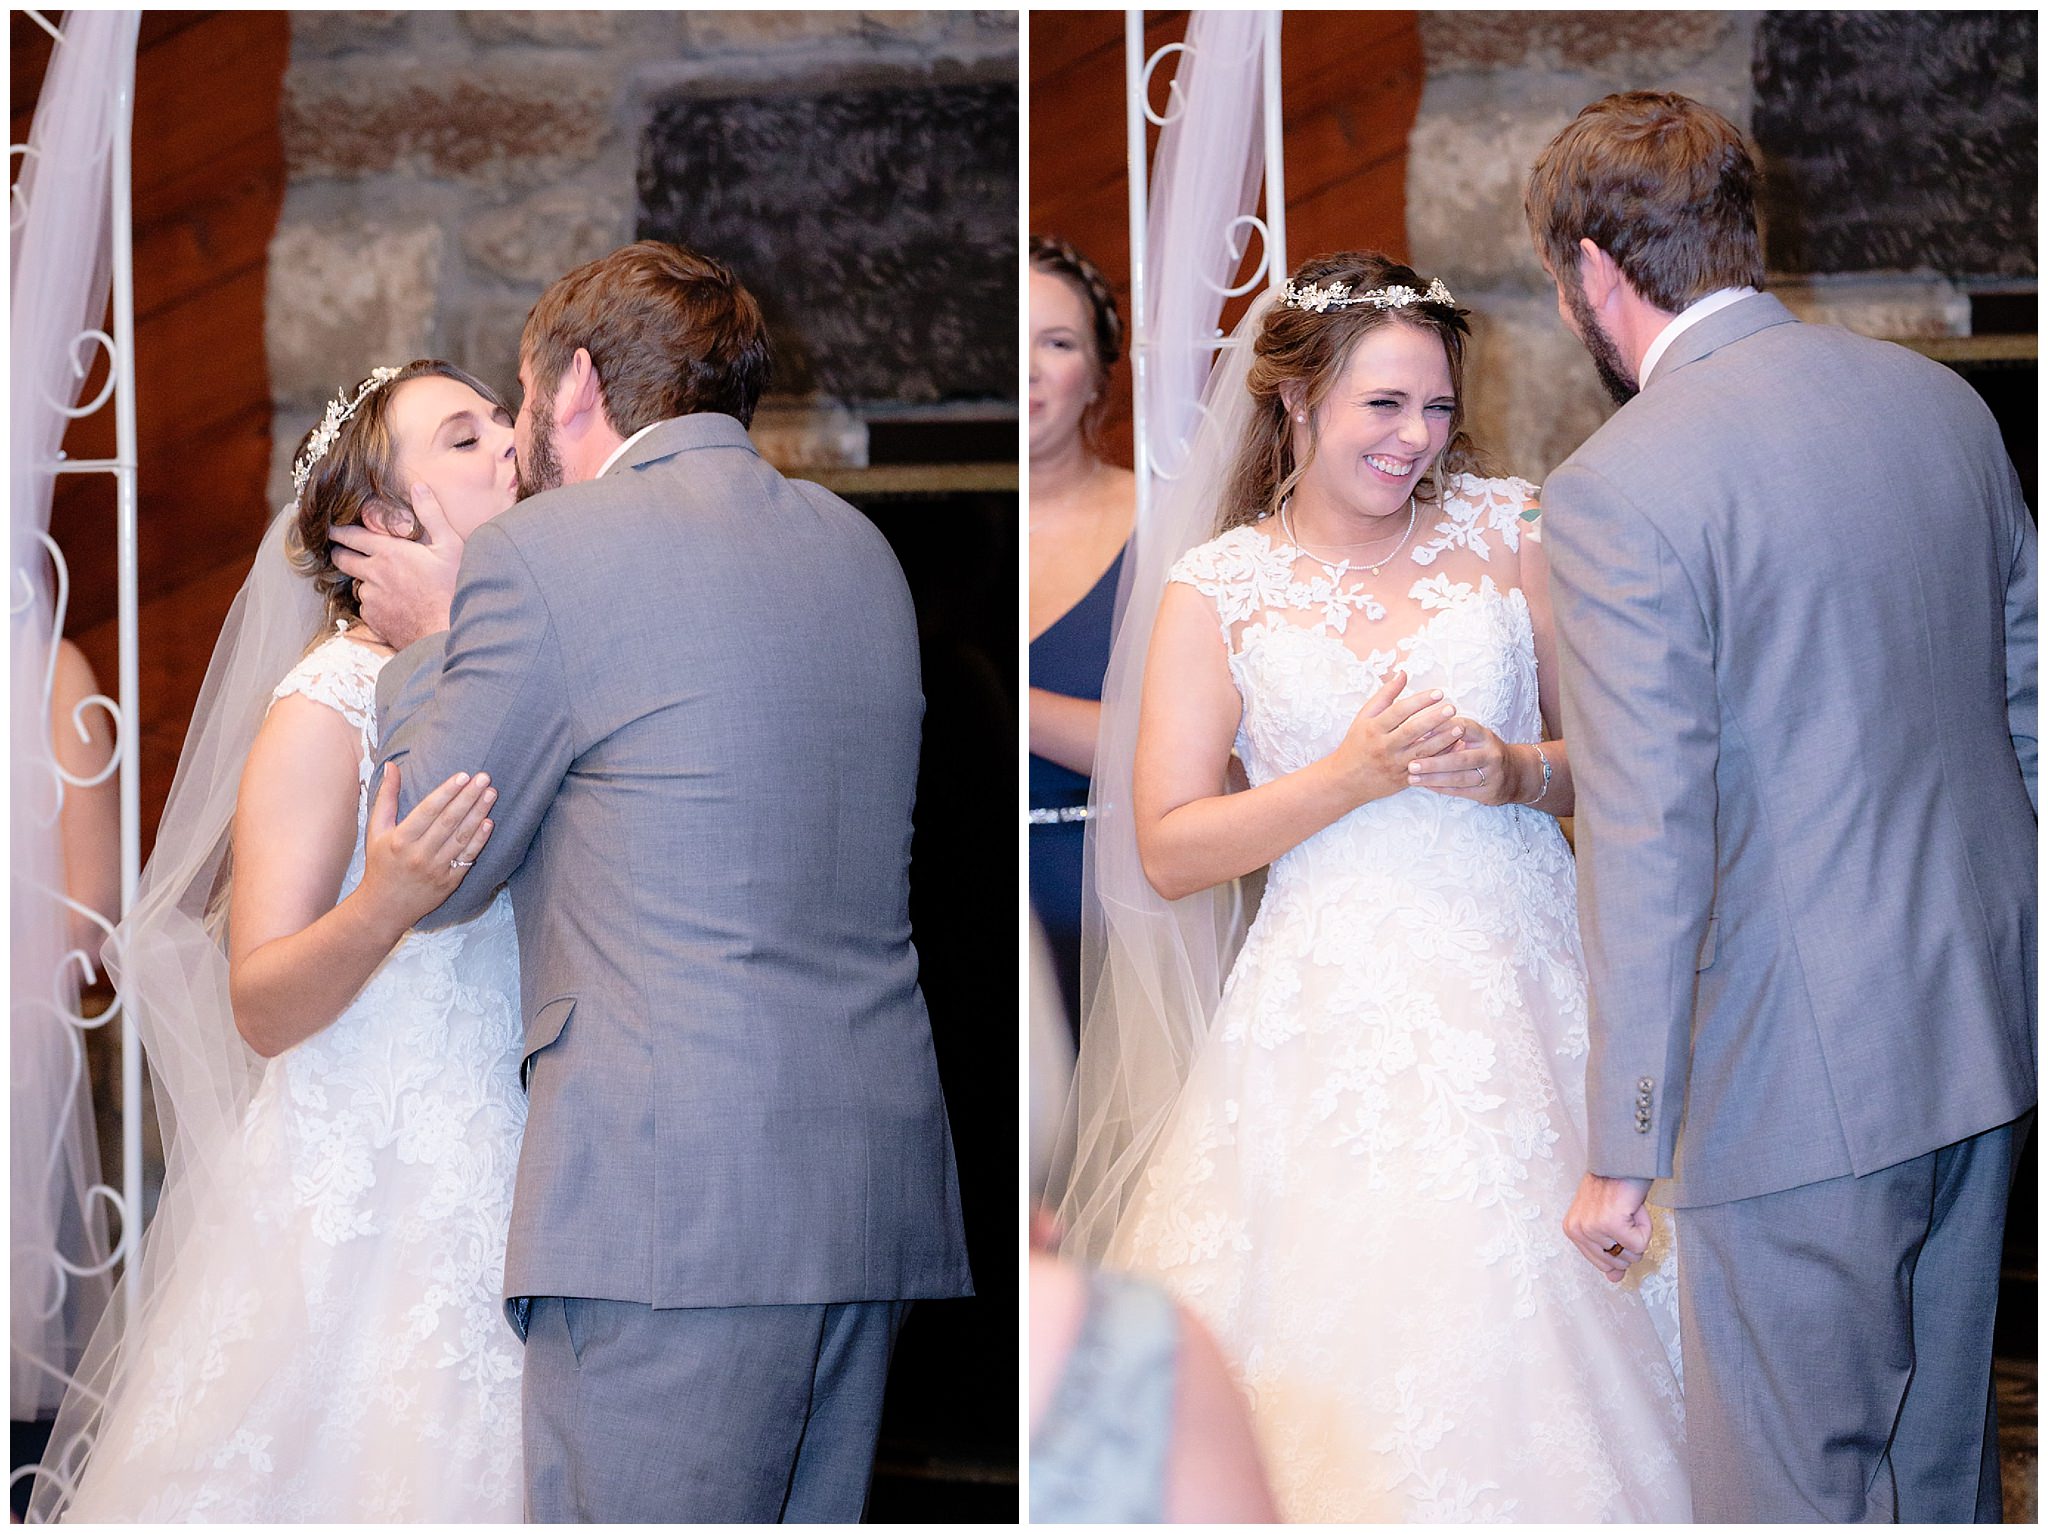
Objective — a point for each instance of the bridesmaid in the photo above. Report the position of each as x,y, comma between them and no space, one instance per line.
1081,513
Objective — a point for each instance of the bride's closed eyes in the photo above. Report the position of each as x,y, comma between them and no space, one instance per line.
468,423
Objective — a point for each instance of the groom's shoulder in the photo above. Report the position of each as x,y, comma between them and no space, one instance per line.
544,521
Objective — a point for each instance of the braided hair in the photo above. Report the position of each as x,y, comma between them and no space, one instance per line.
1057,258
1060,259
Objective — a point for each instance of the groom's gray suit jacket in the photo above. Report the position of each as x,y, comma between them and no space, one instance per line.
694,684
1795,599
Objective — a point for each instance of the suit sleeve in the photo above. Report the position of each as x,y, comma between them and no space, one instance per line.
2022,622
1636,659
488,696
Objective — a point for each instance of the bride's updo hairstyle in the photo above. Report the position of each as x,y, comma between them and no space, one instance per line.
358,471
1310,348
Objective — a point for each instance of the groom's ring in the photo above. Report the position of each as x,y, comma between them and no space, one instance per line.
1614,1250
471,863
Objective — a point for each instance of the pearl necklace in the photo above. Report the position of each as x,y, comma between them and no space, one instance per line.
1344,567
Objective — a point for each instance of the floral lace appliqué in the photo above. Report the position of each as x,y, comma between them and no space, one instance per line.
338,1352
1362,1186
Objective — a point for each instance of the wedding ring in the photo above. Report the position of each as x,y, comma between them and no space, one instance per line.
1614,1250
462,862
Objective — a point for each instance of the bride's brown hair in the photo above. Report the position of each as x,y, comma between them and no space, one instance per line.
1306,348
360,471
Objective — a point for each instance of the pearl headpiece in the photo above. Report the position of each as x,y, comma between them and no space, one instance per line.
339,409
1338,295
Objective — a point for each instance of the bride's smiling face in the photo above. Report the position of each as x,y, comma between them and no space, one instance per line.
458,444
1382,424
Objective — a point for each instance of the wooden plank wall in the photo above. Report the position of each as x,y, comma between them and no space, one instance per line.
1352,82
208,180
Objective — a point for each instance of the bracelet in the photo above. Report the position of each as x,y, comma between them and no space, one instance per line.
1544,757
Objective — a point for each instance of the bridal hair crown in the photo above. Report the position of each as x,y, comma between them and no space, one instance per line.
1338,295
339,409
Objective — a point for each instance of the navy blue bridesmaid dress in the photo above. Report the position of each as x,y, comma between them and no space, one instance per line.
1069,657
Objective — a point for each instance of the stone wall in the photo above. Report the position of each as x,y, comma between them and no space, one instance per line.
1500,85
446,166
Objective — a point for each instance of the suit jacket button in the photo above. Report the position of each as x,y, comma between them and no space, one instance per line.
1645,1084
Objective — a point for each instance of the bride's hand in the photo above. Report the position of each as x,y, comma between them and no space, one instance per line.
410,866
1390,733
1475,764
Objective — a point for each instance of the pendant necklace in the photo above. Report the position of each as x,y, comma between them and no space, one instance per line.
1344,567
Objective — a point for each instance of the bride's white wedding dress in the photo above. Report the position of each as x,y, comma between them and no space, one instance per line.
340,1353
1361,1186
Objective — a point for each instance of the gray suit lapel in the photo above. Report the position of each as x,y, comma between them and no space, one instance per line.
1721,328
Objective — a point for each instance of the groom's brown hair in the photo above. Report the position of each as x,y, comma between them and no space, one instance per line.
1662,184
669,331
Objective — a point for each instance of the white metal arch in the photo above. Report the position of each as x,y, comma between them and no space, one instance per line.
1272,227
118,346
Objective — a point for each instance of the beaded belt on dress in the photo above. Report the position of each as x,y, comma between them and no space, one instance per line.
1060,815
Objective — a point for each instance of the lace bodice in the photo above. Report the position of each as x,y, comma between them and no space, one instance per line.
1308,646
1361,1185
335,1350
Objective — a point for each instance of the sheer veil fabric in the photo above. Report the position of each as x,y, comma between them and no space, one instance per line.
1152,969
169,959
60,276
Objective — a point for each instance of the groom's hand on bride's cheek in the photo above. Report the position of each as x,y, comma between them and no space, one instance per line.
403,586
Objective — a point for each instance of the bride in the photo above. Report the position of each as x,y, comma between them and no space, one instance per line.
1353,1164
318,1334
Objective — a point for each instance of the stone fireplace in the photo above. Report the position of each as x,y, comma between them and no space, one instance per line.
858,168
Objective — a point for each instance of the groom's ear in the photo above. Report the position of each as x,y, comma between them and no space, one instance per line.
1599,273
580,393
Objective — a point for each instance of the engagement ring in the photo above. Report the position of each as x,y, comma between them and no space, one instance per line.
462,862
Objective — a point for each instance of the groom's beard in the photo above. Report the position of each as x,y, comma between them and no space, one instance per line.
1606,356
542,470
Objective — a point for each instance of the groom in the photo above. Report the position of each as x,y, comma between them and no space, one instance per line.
1794,588
695,686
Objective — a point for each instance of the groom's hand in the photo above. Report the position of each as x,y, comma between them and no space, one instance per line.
1606,1212
403,587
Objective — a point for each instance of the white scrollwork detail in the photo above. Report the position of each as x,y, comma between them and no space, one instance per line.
95,160
113,712
1176,98
17,200
60,601
1237,239
80,366
62,1471
62,1268
1184,441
